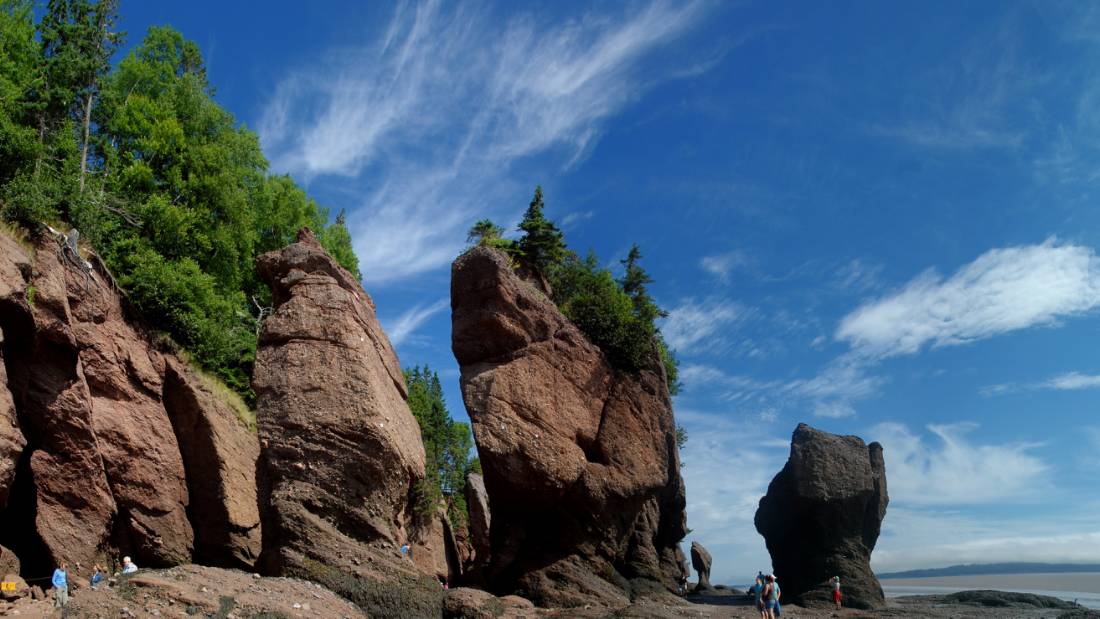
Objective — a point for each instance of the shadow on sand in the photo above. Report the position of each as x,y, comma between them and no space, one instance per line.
720,597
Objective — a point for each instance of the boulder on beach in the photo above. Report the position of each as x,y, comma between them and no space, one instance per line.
821,518
580,461
700,561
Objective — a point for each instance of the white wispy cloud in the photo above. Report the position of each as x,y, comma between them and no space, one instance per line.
952,469
1002,290
402,327
572,219
971,102
695,325
430,116
721,265
829,394
1070,381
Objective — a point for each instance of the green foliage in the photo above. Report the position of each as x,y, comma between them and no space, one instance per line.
591,298
681,436
542,244
171,191
484,232
672,366
31,291
447,446
488,234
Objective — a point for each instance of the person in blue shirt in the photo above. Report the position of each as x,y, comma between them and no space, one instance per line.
61,586
758,594
98,574
128,566
778,592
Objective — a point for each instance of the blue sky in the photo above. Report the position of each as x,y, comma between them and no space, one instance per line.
877,219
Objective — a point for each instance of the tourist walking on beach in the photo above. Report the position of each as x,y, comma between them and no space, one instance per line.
61,586
771,597
778,594
836,591
758,595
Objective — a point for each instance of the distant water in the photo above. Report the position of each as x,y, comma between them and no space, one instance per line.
1084,587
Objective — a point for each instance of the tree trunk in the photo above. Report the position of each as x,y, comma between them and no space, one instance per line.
87,130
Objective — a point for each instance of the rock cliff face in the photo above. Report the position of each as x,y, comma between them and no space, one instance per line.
580,461
477,503
340,450
822,515
89,458
219,455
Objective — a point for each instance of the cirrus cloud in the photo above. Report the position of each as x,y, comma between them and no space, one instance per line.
1003,290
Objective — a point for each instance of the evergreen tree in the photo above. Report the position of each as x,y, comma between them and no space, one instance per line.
77,44
634,282
20,70
447,446
542,244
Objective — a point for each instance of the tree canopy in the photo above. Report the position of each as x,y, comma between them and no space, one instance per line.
169,188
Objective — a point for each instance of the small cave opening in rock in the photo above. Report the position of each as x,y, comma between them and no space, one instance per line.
18,532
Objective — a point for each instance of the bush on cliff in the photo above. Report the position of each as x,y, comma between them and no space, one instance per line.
172,192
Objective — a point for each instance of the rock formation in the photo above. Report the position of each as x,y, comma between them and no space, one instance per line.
219,454
822,515
477,503
434,548
89,460
340,450
580,461
700,561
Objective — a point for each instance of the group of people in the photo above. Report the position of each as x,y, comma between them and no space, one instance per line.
766,593
60,579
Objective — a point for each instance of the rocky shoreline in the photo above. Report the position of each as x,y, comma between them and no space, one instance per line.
192,590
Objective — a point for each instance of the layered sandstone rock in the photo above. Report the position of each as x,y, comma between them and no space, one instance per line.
219,454
822,515
580,461
340,450
101,471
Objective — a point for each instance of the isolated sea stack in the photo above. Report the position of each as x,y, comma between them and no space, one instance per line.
821,518
340,450
92,461
580,461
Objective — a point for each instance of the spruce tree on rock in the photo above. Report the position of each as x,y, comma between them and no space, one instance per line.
634,282
542,244
483,232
